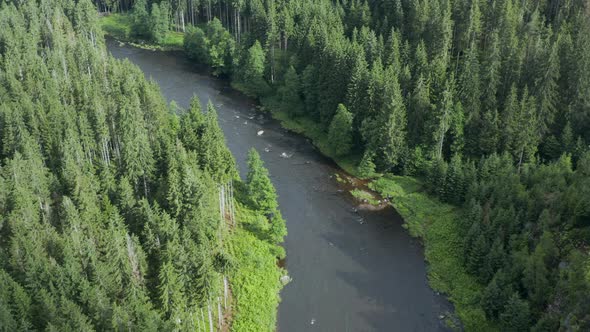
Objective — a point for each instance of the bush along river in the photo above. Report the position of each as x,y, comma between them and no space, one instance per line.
354,268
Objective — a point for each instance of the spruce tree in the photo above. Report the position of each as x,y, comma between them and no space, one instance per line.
261,191
340,131
291,101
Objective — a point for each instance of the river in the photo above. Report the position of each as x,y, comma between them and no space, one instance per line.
352,270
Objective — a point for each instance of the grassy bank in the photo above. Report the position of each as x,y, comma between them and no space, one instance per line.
425,217
313,130
119,26
437,224
255,277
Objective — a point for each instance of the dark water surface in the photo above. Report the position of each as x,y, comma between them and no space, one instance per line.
348,274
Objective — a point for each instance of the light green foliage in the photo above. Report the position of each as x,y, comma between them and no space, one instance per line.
221,48
141,20
117,25
364,196
255,281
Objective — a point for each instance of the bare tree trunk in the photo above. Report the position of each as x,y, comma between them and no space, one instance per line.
220,318
225,292
203,320
210,317
198,323
239,27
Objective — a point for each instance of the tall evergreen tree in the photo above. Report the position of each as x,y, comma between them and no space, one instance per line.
340,131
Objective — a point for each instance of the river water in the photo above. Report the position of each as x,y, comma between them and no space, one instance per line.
352,270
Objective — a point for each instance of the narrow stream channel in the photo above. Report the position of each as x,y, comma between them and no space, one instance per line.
352,270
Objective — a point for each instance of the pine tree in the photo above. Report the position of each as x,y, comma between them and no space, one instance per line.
443,118
356,92
521,127
546,85
491,300
455,185
340,131
252,71
141,19
260,189
366,167
159,21
290,93
191,123
171,290
214,156
515,315
489,132
420,108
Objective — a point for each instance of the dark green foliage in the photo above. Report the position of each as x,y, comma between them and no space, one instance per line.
150,22
366,167
109,202
260,189
488,100
493,299
340,131
455,182
251,71
196,45
215,47
290,93
515,315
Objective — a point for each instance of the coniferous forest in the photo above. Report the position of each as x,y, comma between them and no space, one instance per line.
488,102
109,199
116,209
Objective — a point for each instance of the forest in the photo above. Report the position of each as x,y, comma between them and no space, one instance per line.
487,102
117,210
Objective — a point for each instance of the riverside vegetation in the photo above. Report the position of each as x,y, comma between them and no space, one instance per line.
480,108
117,211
